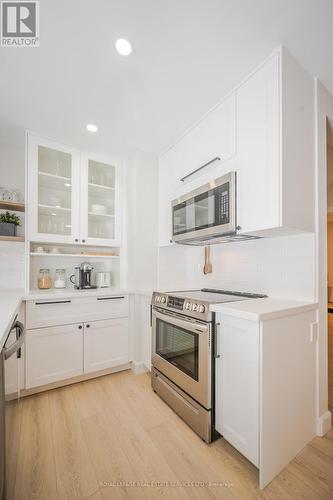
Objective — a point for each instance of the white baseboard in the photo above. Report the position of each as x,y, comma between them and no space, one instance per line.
138,368
324,423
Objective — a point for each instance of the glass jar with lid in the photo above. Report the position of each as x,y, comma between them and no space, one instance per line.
60,278
44,279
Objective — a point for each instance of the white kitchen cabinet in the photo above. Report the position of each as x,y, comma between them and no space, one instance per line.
265,386
53,354
73,197
275,149
264,132
53,191
237,376
100,201
258,158
212,138
106,344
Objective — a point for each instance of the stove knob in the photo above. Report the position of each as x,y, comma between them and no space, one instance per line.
195,307
158,298
163,299
202,309
187,305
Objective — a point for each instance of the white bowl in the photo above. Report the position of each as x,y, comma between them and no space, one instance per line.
98,209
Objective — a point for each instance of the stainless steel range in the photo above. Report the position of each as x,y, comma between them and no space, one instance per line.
183,358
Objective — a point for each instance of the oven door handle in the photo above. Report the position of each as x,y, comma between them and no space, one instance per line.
20,334
216,350
187,325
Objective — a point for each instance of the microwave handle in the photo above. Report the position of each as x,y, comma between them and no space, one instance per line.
217,158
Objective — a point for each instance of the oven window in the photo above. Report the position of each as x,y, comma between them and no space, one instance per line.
179,347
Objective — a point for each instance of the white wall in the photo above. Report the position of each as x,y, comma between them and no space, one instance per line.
279,267
11,265
12,254
141,246
12,166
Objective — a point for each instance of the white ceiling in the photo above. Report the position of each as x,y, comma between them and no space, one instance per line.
187,55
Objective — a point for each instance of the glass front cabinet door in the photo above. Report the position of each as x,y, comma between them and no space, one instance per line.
53,191
72,197
100,192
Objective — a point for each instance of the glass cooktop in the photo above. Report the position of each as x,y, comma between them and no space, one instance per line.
214,296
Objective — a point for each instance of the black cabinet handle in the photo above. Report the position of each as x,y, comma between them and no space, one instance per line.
110,298
53,302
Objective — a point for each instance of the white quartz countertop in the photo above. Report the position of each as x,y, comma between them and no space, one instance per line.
72,293
10,301
263,309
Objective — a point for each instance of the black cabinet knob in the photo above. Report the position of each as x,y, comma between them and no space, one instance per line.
80,327
83,241
76,240
88,326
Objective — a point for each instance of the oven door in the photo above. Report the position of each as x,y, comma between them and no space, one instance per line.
182,352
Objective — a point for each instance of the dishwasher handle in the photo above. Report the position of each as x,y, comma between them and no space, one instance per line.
20,334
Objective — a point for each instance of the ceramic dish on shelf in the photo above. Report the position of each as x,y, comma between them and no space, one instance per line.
98,209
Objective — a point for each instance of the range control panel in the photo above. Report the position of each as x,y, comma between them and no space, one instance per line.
180,304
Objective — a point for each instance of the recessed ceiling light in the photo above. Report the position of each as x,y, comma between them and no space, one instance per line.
123,47
91,127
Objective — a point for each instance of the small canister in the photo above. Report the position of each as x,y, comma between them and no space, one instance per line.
44,279
60,278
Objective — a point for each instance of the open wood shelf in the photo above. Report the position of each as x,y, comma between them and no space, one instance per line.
86,255
11,238
12,205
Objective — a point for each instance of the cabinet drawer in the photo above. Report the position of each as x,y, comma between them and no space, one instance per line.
43,312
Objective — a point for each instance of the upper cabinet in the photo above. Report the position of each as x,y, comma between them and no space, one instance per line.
72,197
264,131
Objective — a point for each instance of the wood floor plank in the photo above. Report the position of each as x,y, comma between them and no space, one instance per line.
86,401
75,474
112,467
35,475
114,438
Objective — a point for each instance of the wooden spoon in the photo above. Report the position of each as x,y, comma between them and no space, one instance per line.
208,268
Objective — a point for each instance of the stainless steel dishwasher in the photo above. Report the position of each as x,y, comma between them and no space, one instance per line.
9,406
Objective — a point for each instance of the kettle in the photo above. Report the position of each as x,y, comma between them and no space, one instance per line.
83,277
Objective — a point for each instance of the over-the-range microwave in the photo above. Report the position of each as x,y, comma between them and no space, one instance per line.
207,214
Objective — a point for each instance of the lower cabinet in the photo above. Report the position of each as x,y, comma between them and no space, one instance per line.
60,352
237,386
53,354
105,344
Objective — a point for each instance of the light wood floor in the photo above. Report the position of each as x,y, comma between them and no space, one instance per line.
114,438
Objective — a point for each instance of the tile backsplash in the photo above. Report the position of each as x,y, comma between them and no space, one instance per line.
280,267
12,266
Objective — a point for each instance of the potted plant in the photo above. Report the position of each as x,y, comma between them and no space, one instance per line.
8,224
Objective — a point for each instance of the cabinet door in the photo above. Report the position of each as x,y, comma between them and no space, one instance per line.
53,354
53,191
258,150
237,385
100,202
105,344
213,137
